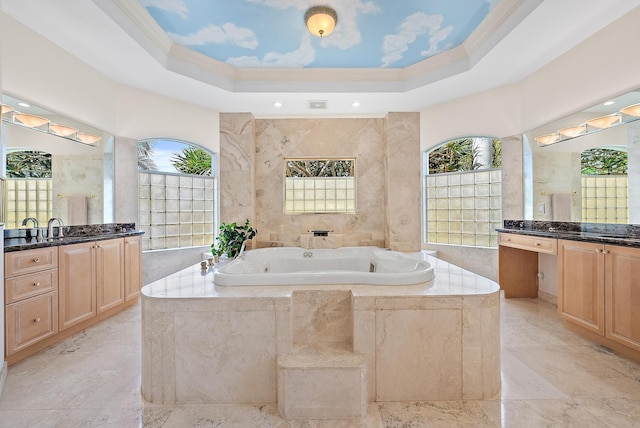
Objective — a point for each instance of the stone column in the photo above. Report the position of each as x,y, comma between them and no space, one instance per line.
237,178
403,194
125,180
512,178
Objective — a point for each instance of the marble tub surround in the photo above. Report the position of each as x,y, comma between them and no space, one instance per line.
617,234
457,312
388,180
24,239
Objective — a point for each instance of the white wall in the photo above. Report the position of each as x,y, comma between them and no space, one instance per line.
55,80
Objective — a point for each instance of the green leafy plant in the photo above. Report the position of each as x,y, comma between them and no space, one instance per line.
231,237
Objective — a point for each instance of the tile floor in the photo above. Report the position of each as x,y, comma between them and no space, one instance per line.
550,378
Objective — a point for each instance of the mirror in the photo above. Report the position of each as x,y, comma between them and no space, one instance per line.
589,174
78,188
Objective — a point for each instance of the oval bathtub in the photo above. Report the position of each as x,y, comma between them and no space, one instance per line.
298,266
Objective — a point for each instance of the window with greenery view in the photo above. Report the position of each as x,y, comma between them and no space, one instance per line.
319,186
463,204
604,186
177,194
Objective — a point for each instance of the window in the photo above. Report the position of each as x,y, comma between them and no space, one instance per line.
604,186
177,190
462,180
320,186
29,187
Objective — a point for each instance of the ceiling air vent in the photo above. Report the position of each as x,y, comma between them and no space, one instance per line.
317,104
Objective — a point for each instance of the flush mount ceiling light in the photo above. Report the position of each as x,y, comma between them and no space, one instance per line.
633,110
604,121
548,138
61,130
277,104
87,138
30,120
321,20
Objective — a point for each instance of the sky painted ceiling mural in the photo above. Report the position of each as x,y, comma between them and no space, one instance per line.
272,33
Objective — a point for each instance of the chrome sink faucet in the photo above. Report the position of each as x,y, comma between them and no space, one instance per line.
50,228
28,219
36,225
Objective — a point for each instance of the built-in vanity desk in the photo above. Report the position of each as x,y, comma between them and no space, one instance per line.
57,287
598,275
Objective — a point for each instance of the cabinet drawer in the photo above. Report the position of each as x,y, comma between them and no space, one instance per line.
21,262
33,284
530,243
31,320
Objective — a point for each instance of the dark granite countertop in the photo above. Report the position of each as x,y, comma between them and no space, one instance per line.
25,239
615,234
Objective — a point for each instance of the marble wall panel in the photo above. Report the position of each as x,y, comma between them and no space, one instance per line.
364,343
225,357
512,177
321,317
403,195
428,368
277,139
125,176
236,164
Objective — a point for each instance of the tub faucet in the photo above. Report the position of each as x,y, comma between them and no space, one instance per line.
241,253
50,228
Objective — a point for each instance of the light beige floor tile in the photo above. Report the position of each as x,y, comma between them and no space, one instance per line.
445,414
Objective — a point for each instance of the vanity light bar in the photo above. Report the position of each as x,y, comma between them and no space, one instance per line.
37,123
592,125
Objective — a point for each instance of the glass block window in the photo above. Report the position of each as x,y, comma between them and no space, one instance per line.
605,199
177,209
28,197
314,186
463,187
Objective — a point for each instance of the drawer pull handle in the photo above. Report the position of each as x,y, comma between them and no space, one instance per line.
36,284
598,250
37,319
509,239
36,260
538,244
605,251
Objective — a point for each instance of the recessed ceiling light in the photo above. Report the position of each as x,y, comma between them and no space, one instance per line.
608,103
24,105
356,104
277,104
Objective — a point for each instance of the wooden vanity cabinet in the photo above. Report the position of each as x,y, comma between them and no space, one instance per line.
581,284
599,291
31,297
91,279
132,267
622,295
54,292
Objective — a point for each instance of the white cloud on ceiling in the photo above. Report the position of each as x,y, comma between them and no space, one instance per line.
298,58
395,45
214,34
173,6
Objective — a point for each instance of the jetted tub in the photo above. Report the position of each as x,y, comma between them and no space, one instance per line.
348,265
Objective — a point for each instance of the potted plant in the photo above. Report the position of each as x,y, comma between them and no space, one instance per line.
230,239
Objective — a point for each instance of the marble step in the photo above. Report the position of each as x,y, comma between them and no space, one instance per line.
322,382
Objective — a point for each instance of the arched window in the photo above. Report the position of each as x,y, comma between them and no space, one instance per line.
462,182
604,186
177,187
